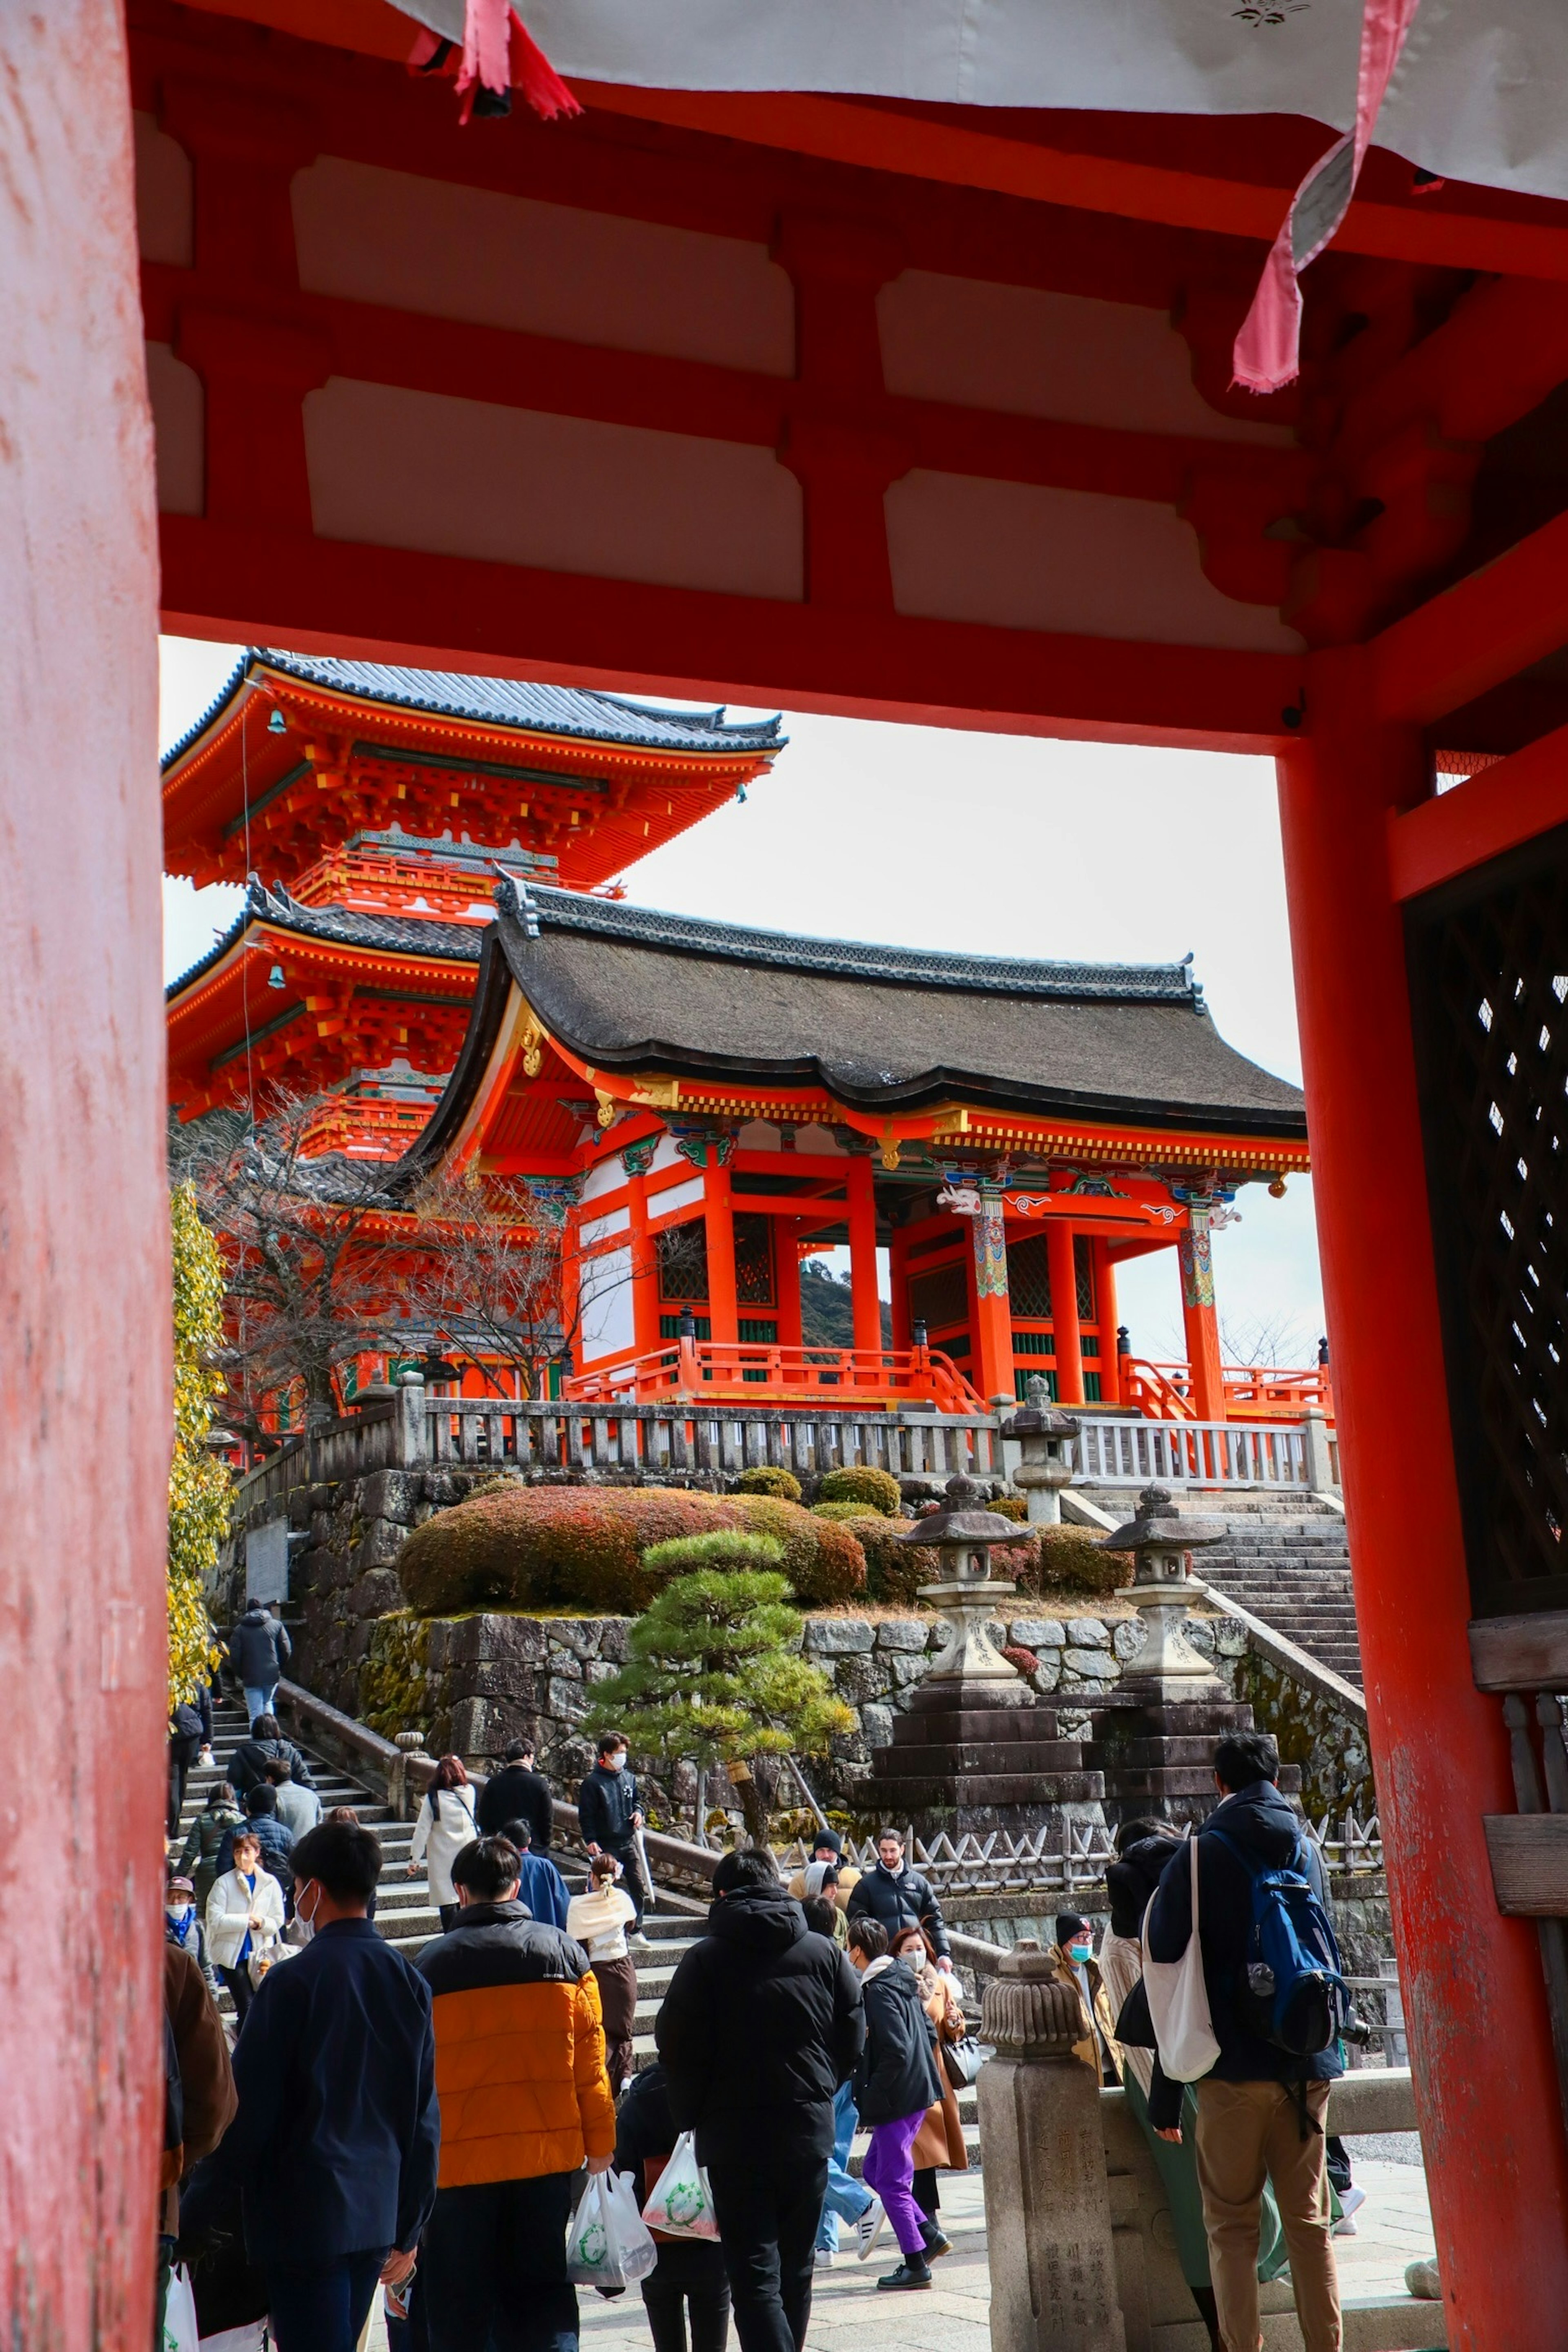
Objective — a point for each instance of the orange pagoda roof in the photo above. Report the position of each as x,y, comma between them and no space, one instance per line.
300,754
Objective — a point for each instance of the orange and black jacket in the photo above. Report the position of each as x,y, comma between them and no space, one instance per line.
520,2048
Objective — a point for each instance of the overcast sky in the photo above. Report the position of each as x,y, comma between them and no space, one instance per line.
1001,844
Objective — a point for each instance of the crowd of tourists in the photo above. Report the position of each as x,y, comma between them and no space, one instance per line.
427,2128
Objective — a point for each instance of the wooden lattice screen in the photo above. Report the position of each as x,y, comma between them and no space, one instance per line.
1488,968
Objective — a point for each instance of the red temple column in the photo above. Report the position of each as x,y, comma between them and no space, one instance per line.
84,1275
1200,1320
1063,1270
1105,1302
865,1304
786,1280
1491,2130
718,1217
991,1307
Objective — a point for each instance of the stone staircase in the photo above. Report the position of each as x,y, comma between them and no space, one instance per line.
1285,1559
407,1917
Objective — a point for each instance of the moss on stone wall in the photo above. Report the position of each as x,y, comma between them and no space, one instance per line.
1326,1742
394,1692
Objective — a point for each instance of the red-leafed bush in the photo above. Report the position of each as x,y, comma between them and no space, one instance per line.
581,1548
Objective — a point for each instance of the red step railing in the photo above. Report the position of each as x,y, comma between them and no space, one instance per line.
753,1372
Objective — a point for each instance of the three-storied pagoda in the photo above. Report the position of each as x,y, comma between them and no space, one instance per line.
368,809
708,1104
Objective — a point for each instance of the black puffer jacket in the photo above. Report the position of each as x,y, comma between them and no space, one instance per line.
897,2075
762,2023
1260,1821
900,1898
258,1646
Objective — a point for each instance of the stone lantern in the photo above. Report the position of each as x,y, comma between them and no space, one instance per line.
1168,1668
962,1536
1043,1433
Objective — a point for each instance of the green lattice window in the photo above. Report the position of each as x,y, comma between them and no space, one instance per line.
682,1253
1029,1279
1083,1269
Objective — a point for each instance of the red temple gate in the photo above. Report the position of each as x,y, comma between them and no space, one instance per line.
868,404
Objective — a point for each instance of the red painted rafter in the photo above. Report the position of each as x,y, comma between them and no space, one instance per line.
1505,805
1486,628
457,613
880,137
398,348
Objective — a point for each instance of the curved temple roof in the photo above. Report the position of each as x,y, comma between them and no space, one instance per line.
576,711
883,1029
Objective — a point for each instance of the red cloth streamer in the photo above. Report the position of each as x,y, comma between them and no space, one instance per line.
1266,356
534,74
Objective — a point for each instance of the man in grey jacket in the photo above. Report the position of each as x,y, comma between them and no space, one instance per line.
258,1649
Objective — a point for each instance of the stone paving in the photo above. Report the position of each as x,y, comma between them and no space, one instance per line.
1394,2228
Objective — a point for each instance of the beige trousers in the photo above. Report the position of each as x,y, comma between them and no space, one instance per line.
1247,2132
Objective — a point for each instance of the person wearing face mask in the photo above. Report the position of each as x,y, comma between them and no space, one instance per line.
336,2141
609,1820
1073,1954
182,1926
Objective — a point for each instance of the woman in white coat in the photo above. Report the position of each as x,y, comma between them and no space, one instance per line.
444,1827
245,1915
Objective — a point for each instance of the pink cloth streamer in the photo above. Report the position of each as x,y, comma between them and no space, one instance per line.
498,53
1266,356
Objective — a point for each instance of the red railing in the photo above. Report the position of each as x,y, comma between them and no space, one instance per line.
751,1372
1252,1391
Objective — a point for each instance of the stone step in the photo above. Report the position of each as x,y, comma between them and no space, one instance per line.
972,1789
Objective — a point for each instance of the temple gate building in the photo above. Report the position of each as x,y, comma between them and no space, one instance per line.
708,1105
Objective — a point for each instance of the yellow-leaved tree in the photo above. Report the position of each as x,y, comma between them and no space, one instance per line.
199,1486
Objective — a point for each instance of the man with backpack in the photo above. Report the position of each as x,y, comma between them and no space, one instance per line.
1275,1998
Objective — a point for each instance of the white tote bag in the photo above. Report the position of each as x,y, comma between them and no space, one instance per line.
680,2201
1179,2000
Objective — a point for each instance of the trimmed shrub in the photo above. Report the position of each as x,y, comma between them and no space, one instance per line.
876,1490
844,1513
1011,1506
582,1547
769,1479
1071,1560
724,1548
823,1562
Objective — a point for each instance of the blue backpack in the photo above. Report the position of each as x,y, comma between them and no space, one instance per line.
1292,1991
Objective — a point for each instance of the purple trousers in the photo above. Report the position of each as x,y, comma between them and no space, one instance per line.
888,2170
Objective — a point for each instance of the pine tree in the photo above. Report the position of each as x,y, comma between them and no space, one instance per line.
715,1674
199,1486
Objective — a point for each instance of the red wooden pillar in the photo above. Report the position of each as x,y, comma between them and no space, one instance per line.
1486,2085
865,1305
84,1272
990,1305
719,1221
786,1280
1059,1259
1105,1304
1200,1319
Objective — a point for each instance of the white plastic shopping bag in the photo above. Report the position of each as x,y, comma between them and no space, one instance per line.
1179,2000
180,2315
608,2246
680,2201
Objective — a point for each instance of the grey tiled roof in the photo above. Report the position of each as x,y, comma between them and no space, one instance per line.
578,712
610,918
882,1029
393,934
